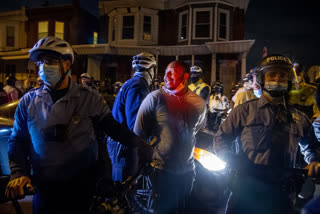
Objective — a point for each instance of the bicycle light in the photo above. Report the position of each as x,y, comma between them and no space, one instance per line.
208,160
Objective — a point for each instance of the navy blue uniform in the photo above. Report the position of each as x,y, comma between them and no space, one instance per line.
125,109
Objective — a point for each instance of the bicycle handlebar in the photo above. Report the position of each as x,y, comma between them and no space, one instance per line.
126,185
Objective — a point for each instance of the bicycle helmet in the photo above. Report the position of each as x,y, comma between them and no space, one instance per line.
195,71
86,75
117,84
217,87
143,61
52,46
299,68
248,78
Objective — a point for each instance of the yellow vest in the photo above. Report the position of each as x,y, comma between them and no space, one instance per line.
304,99
198,86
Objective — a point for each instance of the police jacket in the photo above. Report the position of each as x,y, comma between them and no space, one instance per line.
174,119
253,123
316,126
129,99
63,134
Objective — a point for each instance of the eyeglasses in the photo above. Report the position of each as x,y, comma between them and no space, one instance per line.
47,61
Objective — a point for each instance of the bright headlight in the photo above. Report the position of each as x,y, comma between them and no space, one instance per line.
208,160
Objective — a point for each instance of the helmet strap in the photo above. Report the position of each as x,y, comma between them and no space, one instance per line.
64,73
151,77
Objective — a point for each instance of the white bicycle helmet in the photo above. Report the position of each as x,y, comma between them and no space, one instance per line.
143,61
117,84
86,75
52,45
195,71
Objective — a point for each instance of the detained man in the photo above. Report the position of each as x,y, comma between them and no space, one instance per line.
174,114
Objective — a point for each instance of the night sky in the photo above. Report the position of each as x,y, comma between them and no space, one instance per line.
292,29
90,5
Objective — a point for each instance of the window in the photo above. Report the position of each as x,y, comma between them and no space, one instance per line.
183,25
223,31
10,36
43,29
59,30
202,24
128,27
113,30
95,38
147,27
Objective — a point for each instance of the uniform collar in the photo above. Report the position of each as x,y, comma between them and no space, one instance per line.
263,101
73,91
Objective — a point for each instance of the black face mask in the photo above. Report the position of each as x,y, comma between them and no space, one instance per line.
276,94
194,79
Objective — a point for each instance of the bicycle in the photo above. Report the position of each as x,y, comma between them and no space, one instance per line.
290,188
131,196
135,194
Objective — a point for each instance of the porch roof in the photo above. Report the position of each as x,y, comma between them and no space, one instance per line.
238,46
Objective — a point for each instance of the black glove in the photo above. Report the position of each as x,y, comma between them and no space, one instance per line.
240,163
145,153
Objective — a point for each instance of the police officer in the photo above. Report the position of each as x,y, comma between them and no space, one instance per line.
62,121
302,95
11,90
125,109
313,206
197,85
244,93
86,81
218,106
268,132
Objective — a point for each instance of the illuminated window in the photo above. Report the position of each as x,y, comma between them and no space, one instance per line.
43,29
95,38
59,30
10,36
183,25
147,27
128,27
202,24
223,31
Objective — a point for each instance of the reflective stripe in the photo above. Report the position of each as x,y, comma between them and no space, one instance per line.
198,86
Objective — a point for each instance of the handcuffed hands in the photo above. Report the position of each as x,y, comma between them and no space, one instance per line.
145,153
15,187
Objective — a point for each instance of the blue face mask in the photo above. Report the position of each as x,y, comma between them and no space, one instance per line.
49,74
257,92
